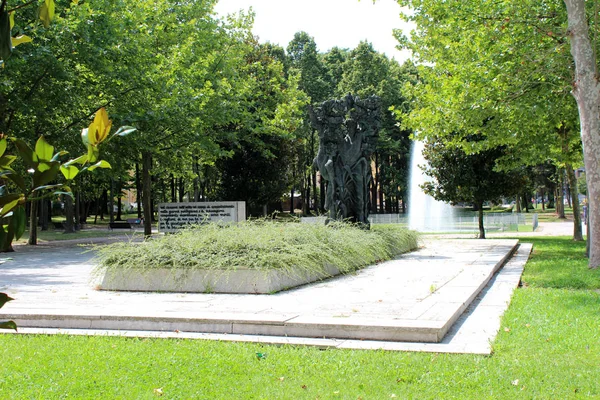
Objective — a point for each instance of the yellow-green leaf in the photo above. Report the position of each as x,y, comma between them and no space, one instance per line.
99,128
6,160
3,145
69,171
21,39
9,198
100,164
47,12
43,149
44,166
93,153
12,19
8,207
79,160
58,155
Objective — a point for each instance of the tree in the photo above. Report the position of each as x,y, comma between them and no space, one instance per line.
305,59
586,91
365,73
503,69
461,177
181,81
44,168
333,64
260,144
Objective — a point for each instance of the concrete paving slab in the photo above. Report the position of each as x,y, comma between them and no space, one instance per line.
61,287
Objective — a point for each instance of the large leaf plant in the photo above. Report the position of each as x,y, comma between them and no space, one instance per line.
43,177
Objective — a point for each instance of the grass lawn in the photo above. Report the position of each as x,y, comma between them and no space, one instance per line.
549,214
548,347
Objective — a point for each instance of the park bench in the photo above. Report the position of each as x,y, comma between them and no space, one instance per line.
119,225
134,222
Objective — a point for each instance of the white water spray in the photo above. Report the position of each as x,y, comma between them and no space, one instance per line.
425,214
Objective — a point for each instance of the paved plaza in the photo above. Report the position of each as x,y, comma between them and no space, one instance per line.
448,296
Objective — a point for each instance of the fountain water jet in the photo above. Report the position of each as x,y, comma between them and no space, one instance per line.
425,214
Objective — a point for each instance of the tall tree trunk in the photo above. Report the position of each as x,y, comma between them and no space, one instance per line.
480,219
307,197
379,184
119,204
103,201
374,189
292,201
147,192
77,210
97,209
119,195
163,193
568,190
543,200
33,223
181,187
69,225
44,211
577,234
196,180
138,191
172,183
560,201
586,90
86,212
111,202
587,233
526,198
518,203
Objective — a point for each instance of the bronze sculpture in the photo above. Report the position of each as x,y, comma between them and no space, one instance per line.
348,131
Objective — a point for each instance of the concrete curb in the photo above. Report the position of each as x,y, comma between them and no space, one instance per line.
429,322
472,333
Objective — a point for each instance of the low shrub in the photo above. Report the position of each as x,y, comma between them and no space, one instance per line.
262,245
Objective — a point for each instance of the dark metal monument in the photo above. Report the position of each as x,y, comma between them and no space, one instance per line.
348,130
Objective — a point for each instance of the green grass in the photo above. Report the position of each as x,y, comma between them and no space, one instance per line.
559,262
525,228
548,348
262,245
549,214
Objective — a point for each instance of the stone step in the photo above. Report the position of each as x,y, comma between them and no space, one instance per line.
428,322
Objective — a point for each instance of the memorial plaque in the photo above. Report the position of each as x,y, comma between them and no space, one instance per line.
174,216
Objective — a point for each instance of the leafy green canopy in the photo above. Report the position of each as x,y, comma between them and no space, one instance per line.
461,177
501,69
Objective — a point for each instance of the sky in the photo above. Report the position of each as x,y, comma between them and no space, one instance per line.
341,23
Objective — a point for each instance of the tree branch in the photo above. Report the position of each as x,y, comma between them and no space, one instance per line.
21,6
28,95
88,116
